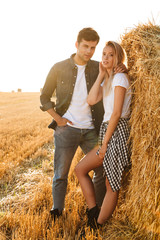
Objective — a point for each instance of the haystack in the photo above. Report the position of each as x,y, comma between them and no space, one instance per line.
142,204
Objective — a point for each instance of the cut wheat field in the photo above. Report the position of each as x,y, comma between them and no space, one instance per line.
26,172
23,130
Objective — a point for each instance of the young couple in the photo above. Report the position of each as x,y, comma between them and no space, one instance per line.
92,99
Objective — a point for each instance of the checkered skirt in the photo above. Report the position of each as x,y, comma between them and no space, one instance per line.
117,157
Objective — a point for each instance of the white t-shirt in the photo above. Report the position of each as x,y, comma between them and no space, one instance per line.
119,79
79,112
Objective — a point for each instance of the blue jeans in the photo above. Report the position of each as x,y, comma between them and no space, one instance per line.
66,140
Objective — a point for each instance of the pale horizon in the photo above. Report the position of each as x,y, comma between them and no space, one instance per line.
36,34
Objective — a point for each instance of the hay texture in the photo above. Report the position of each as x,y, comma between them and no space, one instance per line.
142,46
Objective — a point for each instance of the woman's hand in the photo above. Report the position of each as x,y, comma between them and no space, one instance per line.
102,70
103,150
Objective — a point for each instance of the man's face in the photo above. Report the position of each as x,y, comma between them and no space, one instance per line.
85,50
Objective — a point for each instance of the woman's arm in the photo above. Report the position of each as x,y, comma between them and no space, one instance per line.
119,94
96,92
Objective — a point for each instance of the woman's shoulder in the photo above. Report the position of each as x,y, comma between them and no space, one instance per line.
121,76
121,79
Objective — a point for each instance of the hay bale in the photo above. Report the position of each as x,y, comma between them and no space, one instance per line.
142,206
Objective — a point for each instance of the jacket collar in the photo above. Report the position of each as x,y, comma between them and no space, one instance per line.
73,63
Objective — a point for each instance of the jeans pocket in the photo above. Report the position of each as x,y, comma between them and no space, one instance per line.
60,129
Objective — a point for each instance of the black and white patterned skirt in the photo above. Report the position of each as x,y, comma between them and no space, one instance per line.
117,156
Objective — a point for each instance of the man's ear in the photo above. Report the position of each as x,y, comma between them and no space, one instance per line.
76,44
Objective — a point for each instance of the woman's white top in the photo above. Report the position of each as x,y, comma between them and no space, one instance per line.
119,79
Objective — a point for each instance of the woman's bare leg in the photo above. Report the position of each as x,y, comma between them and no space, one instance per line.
108,205
88,163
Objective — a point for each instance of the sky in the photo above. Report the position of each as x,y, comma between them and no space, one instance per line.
35,34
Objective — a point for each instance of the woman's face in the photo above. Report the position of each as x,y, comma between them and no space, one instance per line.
108,57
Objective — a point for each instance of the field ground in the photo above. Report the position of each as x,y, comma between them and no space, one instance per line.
26,171
23,128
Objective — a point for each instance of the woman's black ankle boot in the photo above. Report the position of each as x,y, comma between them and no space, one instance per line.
93,214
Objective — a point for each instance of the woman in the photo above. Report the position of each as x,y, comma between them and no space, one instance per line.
113,152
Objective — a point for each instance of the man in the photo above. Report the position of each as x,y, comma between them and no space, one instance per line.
75,122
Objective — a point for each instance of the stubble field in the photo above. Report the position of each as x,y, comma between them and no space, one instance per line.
26,172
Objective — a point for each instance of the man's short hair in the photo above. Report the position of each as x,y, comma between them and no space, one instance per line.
88,34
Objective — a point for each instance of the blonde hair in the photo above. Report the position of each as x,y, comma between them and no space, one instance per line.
119,58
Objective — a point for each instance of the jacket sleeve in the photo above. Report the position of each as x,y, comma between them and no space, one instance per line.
48,90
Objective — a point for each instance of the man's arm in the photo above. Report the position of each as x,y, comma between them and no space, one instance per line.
48,90
45,98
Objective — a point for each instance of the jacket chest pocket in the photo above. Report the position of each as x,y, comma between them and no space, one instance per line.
62,85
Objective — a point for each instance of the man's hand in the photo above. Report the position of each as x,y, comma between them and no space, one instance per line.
63,122
59,120
120,68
